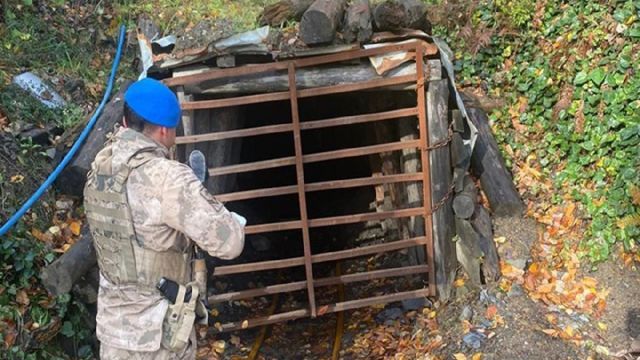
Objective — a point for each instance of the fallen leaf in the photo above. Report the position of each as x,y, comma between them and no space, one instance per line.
323,310
235,340
460,356
218,326
245,324
219,346
602,350
22,297
550,332
602,326
16,179
459,283
589,282
214,313
500,239
492,310
74,226
477,356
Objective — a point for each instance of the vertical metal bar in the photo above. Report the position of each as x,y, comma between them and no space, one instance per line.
426,170
293,96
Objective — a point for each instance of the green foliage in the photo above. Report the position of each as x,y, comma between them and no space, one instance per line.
519,12
576,69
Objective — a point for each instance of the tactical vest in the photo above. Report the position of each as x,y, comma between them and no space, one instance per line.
121,256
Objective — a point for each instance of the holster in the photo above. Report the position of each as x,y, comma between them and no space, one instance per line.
180,318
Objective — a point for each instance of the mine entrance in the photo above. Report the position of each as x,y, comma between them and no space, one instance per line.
311,169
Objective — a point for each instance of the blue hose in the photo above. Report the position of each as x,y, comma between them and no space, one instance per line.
67,158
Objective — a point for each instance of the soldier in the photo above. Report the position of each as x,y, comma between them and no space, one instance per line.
146,213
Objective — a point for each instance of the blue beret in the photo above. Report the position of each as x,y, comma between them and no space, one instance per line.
154,102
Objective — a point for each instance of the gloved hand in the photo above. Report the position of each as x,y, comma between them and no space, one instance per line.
239,218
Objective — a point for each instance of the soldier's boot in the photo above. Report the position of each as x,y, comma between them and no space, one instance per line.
198,164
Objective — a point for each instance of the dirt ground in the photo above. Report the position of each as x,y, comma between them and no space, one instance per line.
518,334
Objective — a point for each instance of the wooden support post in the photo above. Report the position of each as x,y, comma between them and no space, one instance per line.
187,119
357,22
464,202
320,21
468,249
481,222
440,160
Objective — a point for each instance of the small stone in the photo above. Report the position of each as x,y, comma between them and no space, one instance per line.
516,290
64,204
474,339
518,263
466,314
415,304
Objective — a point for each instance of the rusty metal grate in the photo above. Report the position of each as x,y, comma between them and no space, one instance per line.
301,188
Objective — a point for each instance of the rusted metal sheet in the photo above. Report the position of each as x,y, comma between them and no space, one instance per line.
301,188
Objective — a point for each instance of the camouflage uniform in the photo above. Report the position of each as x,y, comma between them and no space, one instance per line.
169,208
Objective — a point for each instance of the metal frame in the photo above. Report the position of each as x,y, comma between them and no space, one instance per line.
301,188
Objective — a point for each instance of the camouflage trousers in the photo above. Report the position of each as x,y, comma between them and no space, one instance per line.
112,353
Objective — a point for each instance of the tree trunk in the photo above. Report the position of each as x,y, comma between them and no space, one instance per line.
74,176
320,21
357,22
392,15
282,11
440,163
487,164
60,276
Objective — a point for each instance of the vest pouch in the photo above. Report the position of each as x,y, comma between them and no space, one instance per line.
179,320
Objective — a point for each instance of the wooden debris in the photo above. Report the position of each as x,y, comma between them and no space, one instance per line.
282,11
464,202
357,22
393,15
320,21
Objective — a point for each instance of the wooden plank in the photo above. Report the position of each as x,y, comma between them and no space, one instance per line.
297,141
258,193
355,218
252,166
218,73
343,88
354,54
249,294
187,119
235,101
360,151
266,320
223,135
358,119
440,169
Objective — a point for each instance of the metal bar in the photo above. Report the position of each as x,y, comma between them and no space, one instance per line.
426,168
360,151
371,275
357,119
258,193
353,304
265,320
319,186
234,101
368,250
258,266
252,166
301,285
222,135
297,141
367,181
342,88
350,219
354,54
218,74
279,226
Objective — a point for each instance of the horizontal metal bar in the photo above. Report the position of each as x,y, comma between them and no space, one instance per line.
328,281
258,266
222,135
218,74
358,119
323,309
371,275
319,186
360,151
234,101
252,166
279,226
356,218
258,193
368,250
318,258
367,181
265,320
354,54
342,88
377,300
